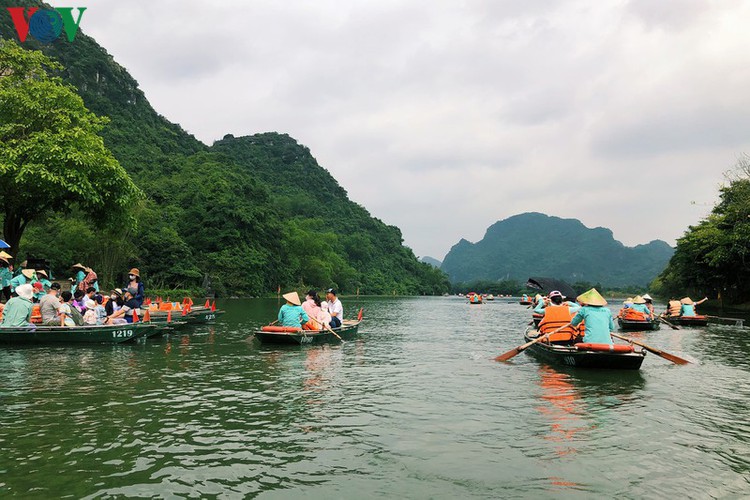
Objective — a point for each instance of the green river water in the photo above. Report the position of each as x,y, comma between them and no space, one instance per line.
413,408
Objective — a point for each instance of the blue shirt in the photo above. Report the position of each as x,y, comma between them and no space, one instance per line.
292,316
599,324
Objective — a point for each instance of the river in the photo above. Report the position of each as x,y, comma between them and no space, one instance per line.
414,407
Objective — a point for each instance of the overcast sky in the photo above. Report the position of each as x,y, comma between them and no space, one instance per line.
444,117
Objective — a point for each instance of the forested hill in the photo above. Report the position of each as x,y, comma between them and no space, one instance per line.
243,216
534,244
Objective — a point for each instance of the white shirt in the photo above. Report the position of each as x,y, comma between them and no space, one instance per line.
336,308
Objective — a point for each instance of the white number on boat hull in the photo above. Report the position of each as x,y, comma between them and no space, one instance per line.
569,360
122,334
305,340
210,317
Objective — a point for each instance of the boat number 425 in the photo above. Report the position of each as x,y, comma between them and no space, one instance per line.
119,334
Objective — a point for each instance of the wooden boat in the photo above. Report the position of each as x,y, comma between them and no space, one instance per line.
87,334
276,335
524,302
638,325
690,320
621,357
490,297
196,315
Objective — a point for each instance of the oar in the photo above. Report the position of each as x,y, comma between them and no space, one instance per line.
670,357
670,325
336,334
517,350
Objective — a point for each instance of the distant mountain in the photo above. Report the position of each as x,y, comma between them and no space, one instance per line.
535,244
431,261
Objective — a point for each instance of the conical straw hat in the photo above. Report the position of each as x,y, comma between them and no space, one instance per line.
686,300
639,300
293,297
29,273
647,297
592,298
629,300
5,255
79,265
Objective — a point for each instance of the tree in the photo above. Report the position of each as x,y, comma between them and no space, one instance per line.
52,157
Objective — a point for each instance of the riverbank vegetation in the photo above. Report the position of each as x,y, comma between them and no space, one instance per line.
713,257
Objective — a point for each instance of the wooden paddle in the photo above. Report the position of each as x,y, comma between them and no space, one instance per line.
517,350
670,357
336,334
670,325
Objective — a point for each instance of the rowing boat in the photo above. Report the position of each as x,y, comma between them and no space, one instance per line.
690,320
600,356
195,315
278,335
524,302
638,325
87,334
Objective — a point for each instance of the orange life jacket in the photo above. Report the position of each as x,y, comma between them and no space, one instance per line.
554,318
674,308
632,315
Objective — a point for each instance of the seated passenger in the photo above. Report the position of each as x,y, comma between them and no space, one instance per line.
627,303
598,318
687,307
24,277
89,317
335,308
125,313
558,313
17,311
311,305
325,316
639,305
291,313
649,304
49,306
101,311
673,308
115,302
38,291
67,310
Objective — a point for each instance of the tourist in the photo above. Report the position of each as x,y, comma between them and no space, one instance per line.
6,274
78,301
79,277
558,313
49,306
649,304
26,276
43,278
38,291
334,308
115,302
311,305
598,318
687,306
129,306
17,311
325,316
67,311
627,303
639,305
291,313
134,281
89,317
101,311
674,307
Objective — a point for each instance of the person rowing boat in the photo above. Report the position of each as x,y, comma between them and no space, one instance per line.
598,318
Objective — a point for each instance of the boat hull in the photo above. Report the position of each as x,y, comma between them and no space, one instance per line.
196,316
690,320
568,355
524,302
537,318
309,337
93,334
637,326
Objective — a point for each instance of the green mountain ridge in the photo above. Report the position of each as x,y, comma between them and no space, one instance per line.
535,244
242,216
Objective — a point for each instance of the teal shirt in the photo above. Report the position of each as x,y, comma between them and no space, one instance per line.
687,310
599,324
80,276
5,277
17,312
292,315
641,308
18,281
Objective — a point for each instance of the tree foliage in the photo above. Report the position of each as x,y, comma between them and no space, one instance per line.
713,257
52,156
